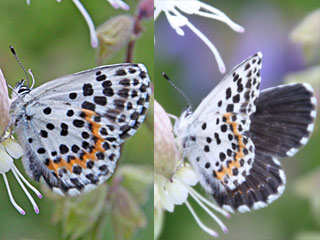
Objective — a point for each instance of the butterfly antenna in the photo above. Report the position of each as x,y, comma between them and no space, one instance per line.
31,74
178,89
18,60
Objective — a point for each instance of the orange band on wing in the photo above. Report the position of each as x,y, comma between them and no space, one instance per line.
87,155
228,170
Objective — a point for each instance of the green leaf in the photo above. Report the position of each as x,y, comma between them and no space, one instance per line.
82,213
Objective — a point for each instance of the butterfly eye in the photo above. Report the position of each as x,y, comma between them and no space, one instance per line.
23,89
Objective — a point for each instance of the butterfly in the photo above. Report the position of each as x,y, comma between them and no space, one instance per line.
235,137
72,128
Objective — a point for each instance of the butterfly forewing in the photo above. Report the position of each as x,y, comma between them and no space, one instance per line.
74,125
223,153
237,92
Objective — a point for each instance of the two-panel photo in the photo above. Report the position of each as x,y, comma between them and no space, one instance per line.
159,120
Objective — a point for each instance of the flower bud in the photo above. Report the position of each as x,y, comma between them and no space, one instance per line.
309,75
158,215
137,179
146,9
113,35
126,214
307,34
4,104
305,187
166,153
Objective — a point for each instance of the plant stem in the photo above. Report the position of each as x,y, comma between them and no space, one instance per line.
137,29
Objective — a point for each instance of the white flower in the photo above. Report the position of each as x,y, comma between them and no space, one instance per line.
174,9
10,149
93,36
175,188
168,193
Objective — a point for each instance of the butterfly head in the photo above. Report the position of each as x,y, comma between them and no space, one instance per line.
20,89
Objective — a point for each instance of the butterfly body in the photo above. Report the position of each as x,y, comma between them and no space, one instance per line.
71,128
234,138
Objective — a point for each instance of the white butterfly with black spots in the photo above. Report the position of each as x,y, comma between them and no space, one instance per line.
234,138
71,128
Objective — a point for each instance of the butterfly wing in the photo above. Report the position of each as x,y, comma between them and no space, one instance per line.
236,93
72,127
222,137
284,119
282,124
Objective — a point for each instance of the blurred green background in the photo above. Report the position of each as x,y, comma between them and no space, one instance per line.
53,40
192,67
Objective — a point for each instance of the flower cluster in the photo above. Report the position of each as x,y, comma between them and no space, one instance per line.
175,11
174,179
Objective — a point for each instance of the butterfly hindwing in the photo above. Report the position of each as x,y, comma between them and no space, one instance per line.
75,125
282,123
264,184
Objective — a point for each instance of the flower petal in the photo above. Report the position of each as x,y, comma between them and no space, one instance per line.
174,11
4,104
119,4
177,22
187,175
13,148
189,7
13,202
177,192
222,67
166,153
162,194
6,161
93,36
158,222
214,13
